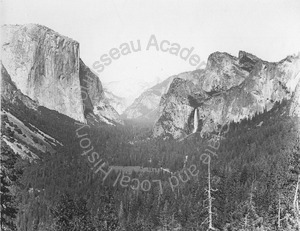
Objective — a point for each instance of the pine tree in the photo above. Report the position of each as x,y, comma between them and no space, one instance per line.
72,215
246,214
107,215
166,217
8,179
296,202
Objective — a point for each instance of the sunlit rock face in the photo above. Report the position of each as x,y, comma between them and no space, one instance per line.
44,65
295,107
229,89
222,73
10,93
146,106
175,108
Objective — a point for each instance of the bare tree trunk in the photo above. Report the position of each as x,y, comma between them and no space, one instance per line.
296,203
210,219
246,221
278,216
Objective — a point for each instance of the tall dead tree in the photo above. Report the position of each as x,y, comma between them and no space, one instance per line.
209,199
296,203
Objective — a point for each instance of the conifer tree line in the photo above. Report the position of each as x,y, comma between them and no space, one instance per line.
253,184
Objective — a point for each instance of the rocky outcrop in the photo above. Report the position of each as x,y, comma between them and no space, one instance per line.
295,107
16,131
117,102
91,88
146,106
93,96
229,89
46,67
10,93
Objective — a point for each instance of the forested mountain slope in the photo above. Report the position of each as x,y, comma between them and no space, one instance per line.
256,171
56,159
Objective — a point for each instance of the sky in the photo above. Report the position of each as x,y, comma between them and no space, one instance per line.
269,29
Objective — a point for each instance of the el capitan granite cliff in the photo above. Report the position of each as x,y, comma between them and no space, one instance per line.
46,67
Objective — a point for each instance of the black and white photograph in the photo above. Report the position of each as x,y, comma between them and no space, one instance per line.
148,115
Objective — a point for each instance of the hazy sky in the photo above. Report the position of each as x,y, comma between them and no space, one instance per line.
269,29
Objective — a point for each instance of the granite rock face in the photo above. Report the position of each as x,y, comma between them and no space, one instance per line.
117,102
146,106
46,67
9,92
93,96
229,89
295,107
